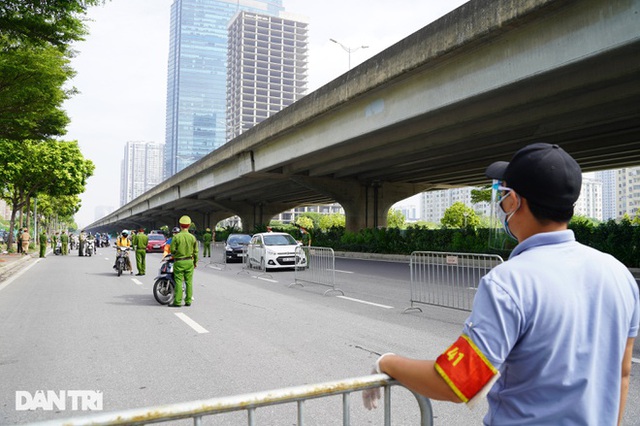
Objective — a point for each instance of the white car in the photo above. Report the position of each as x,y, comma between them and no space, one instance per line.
271,250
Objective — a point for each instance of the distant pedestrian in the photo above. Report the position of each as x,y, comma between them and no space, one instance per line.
43,243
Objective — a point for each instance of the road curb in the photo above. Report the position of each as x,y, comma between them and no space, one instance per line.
7,268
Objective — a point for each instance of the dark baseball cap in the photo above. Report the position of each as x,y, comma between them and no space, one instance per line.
542,173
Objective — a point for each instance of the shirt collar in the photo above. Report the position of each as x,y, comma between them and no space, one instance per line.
543,239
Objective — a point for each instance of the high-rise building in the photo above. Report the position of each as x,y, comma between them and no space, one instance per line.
141,169
628,192
267,67
197,72
609,179
589,203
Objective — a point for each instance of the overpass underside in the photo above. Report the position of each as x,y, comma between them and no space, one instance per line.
430,112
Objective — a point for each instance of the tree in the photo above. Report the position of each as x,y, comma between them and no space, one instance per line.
395,219
459,216
38,22
480,195
334,220
55,168
32,93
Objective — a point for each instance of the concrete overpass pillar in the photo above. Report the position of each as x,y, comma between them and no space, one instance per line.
366,205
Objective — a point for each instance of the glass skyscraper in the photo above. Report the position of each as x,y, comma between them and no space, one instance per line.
197,71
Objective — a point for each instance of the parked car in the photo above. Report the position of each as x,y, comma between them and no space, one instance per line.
236,246
156,243
275,250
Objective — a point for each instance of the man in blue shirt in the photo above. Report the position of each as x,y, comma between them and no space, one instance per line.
550,337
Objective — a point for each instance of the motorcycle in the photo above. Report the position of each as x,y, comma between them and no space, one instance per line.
122,260
89,248
165,286
58,248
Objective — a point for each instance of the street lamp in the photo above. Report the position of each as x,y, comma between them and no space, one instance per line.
349,50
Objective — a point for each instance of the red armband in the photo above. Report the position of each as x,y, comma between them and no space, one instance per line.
465,368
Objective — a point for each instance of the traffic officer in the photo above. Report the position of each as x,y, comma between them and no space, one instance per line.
206,243
139,242
43,243
184,248
64,241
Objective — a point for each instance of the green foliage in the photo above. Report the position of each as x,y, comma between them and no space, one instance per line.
481,195
37,22
459,216
32,93
333,220
395,219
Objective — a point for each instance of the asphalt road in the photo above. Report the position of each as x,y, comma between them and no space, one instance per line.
69,323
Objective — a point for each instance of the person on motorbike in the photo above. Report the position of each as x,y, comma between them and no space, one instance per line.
123,241
167,245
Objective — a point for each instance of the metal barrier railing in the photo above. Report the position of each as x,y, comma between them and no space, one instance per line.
447,279
319,269
218,259
196,410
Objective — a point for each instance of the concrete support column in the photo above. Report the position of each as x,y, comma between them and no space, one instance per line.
366,205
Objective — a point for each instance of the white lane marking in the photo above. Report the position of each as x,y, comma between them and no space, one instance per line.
635,360
13,277
136,281
266,279
365,302
343,272
191,323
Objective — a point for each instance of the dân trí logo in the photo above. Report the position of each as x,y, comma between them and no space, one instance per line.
75,400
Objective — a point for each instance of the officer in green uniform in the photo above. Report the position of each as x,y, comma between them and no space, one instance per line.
64,241
139,242
43,243
206,243
184,248
54,241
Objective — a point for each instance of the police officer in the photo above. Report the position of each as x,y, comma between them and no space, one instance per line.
184,248
206,243
139,242
43,243
64,241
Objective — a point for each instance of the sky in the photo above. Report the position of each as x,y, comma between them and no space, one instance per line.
121,71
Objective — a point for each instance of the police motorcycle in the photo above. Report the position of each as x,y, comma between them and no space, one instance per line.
122,260
165,286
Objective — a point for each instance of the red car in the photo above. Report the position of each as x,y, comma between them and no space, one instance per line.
156,243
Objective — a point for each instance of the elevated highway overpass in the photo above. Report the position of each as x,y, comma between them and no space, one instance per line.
430,112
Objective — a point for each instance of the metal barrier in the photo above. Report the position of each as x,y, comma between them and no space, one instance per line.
447,279
218,259
320,268
250,402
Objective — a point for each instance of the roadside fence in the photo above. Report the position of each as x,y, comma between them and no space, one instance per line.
196,410
447,279
218,256
320,268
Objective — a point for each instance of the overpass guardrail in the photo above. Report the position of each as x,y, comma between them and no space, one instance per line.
196,410
447,279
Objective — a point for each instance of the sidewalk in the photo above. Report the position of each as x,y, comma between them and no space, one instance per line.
11,262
